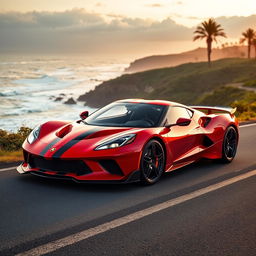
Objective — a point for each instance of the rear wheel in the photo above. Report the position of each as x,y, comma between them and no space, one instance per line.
229,145
152,162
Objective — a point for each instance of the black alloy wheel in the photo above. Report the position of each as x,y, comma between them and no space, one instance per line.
152,162
229,146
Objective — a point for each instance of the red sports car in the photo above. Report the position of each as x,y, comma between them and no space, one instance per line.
130,140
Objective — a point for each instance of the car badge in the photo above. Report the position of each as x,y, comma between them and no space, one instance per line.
52,149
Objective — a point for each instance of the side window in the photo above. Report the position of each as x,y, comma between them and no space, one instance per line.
174,113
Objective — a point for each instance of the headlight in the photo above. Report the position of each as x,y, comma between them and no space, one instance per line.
34,134
117,142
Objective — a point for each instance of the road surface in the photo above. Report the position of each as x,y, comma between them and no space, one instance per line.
116,219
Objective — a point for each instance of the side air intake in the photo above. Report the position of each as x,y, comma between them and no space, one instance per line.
111,166
207,142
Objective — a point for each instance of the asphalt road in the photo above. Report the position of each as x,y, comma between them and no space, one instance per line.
35,211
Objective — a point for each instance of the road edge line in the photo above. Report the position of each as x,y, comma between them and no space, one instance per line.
7,169
82,235
247,125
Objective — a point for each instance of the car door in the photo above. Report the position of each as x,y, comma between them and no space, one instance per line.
182,140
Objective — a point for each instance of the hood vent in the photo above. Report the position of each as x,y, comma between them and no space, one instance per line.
64,131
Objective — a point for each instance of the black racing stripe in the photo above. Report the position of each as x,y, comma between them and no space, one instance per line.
43,152
72,142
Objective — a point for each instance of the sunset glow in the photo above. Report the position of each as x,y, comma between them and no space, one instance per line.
185,12
135,29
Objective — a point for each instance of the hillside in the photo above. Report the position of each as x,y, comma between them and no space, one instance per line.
193,83
197,55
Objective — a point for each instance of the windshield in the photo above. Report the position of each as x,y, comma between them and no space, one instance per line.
126,114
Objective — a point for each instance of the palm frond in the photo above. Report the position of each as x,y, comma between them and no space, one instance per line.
210,29
220,33
200,32
198,37
249,34
242,40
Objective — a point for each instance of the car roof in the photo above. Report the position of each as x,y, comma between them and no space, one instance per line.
158,102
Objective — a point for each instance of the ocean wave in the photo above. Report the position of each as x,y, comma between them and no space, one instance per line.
40,84
28,91
44,79
28,106
21,112
62,71
9,93
37,61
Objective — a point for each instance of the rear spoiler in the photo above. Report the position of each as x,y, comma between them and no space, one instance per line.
211,110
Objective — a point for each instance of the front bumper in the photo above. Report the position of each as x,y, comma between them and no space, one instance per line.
119,169
133,177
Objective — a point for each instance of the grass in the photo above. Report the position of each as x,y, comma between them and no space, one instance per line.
226,96
186,83
190,84
250,83
11,156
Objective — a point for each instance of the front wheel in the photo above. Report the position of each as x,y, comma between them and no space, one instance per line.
152,162
229,145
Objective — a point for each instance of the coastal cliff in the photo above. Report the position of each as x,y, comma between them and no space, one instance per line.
192,83
197,55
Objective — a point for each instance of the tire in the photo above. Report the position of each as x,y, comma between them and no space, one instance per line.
229,146
152,162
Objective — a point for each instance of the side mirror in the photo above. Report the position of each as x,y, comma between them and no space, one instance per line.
180,122
183,121
84,115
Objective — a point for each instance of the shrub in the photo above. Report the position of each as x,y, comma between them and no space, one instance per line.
245,109
13,141
250,83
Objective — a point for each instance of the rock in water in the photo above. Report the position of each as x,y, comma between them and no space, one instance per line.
58,99
70,101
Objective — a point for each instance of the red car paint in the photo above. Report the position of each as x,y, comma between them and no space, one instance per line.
202,138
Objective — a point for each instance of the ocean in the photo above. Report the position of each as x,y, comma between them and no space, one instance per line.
33,89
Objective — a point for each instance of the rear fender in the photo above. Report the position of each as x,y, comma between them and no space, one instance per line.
215,131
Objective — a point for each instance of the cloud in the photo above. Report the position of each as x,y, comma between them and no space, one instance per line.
193,18
235,25
154,5
99,4
75,17
78,30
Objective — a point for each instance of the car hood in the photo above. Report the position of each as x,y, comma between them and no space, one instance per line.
74,137
82,131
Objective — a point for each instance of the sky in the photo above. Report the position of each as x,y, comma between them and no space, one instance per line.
136,27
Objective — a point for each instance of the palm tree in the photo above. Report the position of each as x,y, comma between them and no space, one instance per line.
209,30
254,44
248,36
